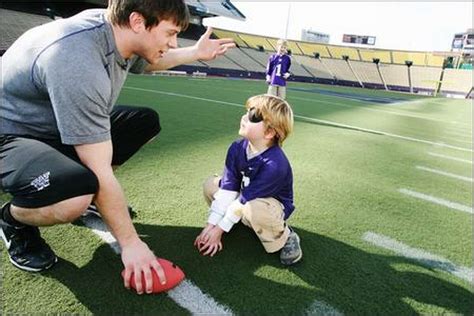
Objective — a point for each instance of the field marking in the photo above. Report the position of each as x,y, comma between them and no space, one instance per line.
371,109
322,308
450,139
186,295
420,255
450,158
459,129
317,101
447,174
439,201
459,134
190,297
310,119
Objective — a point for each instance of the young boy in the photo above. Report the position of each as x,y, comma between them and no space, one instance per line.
278,68
257,184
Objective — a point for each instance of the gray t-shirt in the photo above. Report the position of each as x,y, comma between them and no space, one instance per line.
61,80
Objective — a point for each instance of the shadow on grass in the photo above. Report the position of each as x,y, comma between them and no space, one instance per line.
249,281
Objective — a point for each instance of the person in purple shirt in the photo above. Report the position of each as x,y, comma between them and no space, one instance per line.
257,184
278,70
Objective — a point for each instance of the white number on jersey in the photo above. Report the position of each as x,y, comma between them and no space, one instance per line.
278,70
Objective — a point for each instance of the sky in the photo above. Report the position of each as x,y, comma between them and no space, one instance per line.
419,26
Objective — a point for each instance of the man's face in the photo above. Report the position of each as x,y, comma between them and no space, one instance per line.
157,40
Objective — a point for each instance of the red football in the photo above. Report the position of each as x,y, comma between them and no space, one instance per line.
174,276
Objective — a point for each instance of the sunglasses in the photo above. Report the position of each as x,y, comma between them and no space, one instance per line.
254,116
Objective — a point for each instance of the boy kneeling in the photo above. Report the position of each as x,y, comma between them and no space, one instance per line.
257,184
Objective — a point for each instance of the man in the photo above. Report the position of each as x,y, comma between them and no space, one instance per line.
60,137
278,70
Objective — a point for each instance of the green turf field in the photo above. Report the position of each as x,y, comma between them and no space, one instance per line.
383,195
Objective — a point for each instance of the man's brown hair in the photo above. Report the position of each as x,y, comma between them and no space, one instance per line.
153,11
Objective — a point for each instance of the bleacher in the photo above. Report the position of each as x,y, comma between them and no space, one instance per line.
292,46
434,61
255,42
244,60
315,67
224,63
339,68
326,62
14,23
309,60
417,58
257,56
367,72
232,35
337,52
425,77
297,70
395,75
457,80
370,54
310,49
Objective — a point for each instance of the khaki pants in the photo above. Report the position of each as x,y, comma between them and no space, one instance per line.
277,91
263,215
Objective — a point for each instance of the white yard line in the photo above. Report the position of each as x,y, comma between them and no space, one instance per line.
458,129
450,158
444,173
190,297
371,109
459,134
100,229
451,139
322,308
309,119
439,201
420,255
186,295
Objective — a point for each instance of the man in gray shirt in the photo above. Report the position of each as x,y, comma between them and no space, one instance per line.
60,134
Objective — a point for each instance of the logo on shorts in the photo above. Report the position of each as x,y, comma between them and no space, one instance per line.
41,182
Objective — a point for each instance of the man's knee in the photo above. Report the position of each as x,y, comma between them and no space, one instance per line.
76,195
81,181
151,120
70,210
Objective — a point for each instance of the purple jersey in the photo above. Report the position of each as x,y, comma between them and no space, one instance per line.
266,175
277,66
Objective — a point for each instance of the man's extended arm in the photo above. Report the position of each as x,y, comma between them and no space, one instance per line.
205,49
110,199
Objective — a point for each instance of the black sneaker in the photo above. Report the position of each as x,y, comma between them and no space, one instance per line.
94,211
26,249
291,252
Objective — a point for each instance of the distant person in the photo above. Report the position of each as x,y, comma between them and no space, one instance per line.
257,184
60,134
278,70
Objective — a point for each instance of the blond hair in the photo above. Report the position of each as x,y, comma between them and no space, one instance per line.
282,42
276,112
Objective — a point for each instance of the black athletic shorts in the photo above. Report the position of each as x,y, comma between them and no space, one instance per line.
39,172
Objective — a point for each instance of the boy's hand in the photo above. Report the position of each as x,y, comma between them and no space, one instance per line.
213,244
203,237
